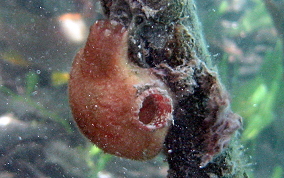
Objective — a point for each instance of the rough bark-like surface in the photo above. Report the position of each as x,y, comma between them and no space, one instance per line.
166,36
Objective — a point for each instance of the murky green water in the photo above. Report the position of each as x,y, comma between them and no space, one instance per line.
38,41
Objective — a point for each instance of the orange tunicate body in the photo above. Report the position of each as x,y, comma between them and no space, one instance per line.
123,109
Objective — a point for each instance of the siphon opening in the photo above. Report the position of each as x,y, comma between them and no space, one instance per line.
148,110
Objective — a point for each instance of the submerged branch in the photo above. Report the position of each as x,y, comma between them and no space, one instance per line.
166,36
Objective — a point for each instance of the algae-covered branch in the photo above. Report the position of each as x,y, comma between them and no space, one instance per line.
158,48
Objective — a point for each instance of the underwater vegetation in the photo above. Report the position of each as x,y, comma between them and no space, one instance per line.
252,67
